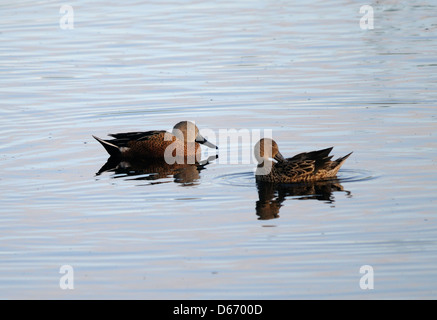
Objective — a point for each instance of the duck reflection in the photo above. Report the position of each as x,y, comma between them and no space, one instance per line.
156,169
272,195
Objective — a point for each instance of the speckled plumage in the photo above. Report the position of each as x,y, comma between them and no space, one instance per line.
304,167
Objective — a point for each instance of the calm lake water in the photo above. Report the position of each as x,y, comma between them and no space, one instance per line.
305,71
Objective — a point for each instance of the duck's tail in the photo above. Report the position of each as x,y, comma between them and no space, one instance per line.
112,149
343,159
339,162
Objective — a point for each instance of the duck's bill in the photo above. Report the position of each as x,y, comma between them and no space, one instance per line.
205,142
208,144
279,157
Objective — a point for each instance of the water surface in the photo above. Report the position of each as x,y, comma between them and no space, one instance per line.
305,71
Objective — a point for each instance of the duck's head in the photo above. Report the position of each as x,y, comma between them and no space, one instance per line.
267,149
188,132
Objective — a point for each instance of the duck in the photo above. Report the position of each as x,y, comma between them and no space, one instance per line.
183,142
303,167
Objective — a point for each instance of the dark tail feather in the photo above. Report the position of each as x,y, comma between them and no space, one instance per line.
342,159
335,165
112,149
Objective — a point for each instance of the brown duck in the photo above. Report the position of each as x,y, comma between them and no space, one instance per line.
183,141
304,167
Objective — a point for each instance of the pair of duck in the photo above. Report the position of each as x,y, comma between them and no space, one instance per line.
272,166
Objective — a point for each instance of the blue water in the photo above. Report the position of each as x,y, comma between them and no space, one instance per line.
308,72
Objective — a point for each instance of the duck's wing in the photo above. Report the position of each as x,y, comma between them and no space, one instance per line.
305,164
136,135
122,139
313,155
